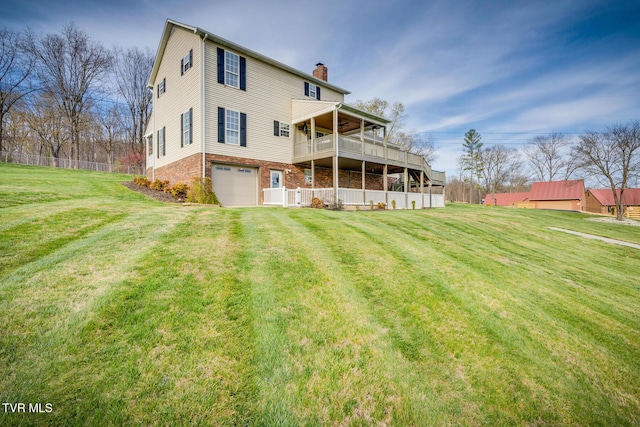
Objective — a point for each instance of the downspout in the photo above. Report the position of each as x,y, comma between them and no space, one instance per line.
154,136
203,94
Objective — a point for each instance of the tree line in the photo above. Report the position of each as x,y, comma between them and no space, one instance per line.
609,158
67,96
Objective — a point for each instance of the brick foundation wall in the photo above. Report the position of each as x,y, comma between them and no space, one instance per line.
181,171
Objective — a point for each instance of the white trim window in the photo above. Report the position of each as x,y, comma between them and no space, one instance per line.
187,62
186,124
232,69
162,87
284,129
313,90
162,148
232,127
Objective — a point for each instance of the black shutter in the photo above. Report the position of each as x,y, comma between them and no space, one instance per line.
318,93
243,130
164,84
158,144
191,58
220,66
243,73
164,141
190,125
158,90
221,124
182,141
276,128
182,67
306,88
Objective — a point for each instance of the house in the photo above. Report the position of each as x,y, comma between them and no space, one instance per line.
558,195
601,201
506,199
267,133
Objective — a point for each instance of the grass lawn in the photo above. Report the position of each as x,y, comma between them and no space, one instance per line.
119,310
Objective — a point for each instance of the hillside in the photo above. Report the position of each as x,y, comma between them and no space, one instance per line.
116,309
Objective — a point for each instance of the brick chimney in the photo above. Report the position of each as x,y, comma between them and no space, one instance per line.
321,72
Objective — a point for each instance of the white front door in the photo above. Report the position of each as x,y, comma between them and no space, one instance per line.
276,179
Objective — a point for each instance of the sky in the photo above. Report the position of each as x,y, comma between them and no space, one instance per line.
511,70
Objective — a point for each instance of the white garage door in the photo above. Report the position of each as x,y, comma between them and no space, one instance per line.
235,185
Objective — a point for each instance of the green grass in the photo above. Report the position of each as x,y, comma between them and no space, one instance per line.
119,310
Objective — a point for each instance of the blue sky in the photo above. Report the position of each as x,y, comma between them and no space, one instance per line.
509,69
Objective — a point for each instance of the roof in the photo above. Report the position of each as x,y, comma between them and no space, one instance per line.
170,24
605,196
557,190
505,199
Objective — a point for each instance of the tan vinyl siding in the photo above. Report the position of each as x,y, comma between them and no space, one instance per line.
267,98
303,108
182,93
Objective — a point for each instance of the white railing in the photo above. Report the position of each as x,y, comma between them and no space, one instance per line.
301,197
302,148
373,150
349,144
324,143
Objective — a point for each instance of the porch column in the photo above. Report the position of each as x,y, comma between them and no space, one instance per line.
313,135
384,184
430,199
384,142
362,137
335,158
364,197
422,187
313,174
406,187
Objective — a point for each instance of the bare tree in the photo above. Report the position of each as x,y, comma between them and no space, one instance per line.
45,119
69,66
16,66
393,112
613,157
131,73
500,164
110,132
549,157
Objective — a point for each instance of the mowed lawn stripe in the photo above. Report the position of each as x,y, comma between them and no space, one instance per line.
324,359
471,285
168,345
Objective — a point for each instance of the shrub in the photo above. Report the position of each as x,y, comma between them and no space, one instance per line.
180,190
317,203
158,185
141,180
381,206
202,192
393,204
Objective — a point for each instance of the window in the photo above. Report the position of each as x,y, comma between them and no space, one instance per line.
232,127
307,176
186,63
186,123
161,143
162,87
232,69
280,129
276,179
311,90
150,144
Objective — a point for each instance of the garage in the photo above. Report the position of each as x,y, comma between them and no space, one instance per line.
235,185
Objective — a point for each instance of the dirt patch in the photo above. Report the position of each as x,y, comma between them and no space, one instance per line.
158,195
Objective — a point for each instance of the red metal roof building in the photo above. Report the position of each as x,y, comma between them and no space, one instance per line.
601,200
505,199
558,195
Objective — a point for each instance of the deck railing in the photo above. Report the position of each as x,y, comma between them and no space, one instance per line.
302,197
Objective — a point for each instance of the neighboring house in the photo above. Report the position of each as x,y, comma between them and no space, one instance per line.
601,201
558,195
505,199
255,126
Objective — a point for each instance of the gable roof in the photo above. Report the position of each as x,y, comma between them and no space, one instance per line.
170,24
505,199
605,196
557,190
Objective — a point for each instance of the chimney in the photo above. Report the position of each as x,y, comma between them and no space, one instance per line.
321,72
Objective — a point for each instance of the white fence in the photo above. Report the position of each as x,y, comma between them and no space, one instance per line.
300,197
35,160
